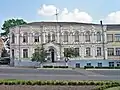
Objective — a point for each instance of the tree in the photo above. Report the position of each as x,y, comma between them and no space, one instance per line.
39,55
4,53
11,23
68,53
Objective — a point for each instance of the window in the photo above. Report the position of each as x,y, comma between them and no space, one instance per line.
13,38
110,37
25,53
36,37
117,51
53,37
111,64
98,51
118,64
110,51
99,64
25,37
87,36
13,53
65,50
65,36
88,64
49,37
117,37
77,65
77,52
98,36
87,51
76,36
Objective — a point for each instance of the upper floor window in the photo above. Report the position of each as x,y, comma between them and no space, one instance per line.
76,36
87,36
25,37
87,51
25,53
66,36
117,37
49,37
110,37
13,54
53,37
98,36
110,51
36,37
13,38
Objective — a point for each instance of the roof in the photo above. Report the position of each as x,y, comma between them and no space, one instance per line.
40,23
113,27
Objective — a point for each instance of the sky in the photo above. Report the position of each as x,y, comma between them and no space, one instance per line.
86,11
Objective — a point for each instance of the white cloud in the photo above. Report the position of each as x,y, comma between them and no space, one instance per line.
75,16
65,15
47,10
113,17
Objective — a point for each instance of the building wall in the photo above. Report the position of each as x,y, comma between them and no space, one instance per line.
59,43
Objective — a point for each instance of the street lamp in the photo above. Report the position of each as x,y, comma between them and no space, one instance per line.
103,40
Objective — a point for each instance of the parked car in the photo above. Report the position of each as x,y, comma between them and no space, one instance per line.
5,61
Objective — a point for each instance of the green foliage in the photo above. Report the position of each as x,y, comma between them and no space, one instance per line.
39,55
55,66
70,52
4,53
11,23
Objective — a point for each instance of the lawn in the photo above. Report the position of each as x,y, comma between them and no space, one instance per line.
114,88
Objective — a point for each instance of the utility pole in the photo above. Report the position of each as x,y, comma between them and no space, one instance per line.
103,40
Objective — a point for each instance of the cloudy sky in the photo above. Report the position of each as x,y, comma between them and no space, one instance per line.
90,11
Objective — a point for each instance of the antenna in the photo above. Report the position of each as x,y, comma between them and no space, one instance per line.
56,14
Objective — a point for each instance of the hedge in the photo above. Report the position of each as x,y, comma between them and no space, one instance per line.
56,82
85,67
55,66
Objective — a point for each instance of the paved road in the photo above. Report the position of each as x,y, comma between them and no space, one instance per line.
44,74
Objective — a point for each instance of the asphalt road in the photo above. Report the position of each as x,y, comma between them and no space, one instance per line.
45,74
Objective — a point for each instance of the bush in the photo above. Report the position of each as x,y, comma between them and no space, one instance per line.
47,66
85,67
60,66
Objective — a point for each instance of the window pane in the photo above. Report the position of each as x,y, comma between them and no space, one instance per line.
110,37
98,51
76,36
88,51
110,51
117,37
98,36
117,51
66,37
25,53
87,36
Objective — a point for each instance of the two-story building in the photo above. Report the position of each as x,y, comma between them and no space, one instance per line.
90,41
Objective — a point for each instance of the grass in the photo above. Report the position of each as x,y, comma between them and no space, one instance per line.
113,88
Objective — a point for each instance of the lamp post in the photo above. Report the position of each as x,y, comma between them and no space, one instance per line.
103,40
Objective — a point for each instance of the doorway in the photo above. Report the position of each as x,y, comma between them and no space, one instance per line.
52,55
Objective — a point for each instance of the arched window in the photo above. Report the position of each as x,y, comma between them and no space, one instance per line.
87,36
76,36
88,51
25,37
66,36
98,36
49,37
53,37
36,37
13,38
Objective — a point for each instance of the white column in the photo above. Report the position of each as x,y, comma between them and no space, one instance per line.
43,37
58,39
106,56
93,51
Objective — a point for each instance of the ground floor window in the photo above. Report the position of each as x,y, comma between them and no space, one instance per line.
110,51
77,65
111,64
118,64
117,51
99,64
25,53
88,64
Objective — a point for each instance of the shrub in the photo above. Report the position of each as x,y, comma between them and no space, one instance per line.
85,67
47,66
60,66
